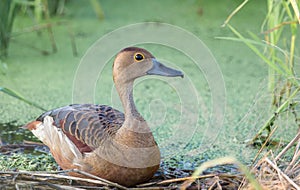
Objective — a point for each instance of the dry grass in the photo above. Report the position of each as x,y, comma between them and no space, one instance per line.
274,172
270,172
59,180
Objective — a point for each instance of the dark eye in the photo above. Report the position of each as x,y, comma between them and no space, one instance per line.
138,57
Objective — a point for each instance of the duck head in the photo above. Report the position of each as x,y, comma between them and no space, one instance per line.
132,62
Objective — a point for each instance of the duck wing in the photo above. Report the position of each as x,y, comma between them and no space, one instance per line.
86,125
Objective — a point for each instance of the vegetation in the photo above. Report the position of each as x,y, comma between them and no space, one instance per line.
8,10
20,97
7,14
20,161
283,82
274,167
279,54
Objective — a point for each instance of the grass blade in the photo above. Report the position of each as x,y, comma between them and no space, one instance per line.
20,97
223,161
296,9
97,8
285,72
242,40
234,12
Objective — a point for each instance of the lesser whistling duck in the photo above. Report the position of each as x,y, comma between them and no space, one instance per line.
101,140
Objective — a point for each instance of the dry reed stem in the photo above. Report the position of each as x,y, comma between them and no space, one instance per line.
43,176
268,173
175,180
273,174
288,146
216,162
278,26
234,12
57,180
296,157
265,143
280,173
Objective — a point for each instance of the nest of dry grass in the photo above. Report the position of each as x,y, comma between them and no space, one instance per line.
274,172
59,180
270,172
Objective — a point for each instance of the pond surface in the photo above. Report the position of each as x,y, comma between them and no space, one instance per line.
48,79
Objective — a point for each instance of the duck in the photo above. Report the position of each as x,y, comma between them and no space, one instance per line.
101,140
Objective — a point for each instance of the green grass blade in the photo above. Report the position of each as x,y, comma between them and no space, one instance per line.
234,12
283,71
222,161
20,97
272,118
296,9
243,41
255,42
254,36
97,8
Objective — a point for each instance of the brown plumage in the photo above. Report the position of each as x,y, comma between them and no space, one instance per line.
100,139
86,123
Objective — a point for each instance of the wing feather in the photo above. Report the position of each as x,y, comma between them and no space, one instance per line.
86,125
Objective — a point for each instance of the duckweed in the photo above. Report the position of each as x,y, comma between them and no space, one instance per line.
29,162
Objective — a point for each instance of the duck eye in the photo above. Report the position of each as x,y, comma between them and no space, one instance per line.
138,57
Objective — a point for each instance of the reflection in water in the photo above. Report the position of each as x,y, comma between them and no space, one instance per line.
12,134
14,139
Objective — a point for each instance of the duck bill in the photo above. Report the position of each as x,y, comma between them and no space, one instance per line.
162,70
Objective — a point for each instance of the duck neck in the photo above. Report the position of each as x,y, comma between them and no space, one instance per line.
125,91
134,127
